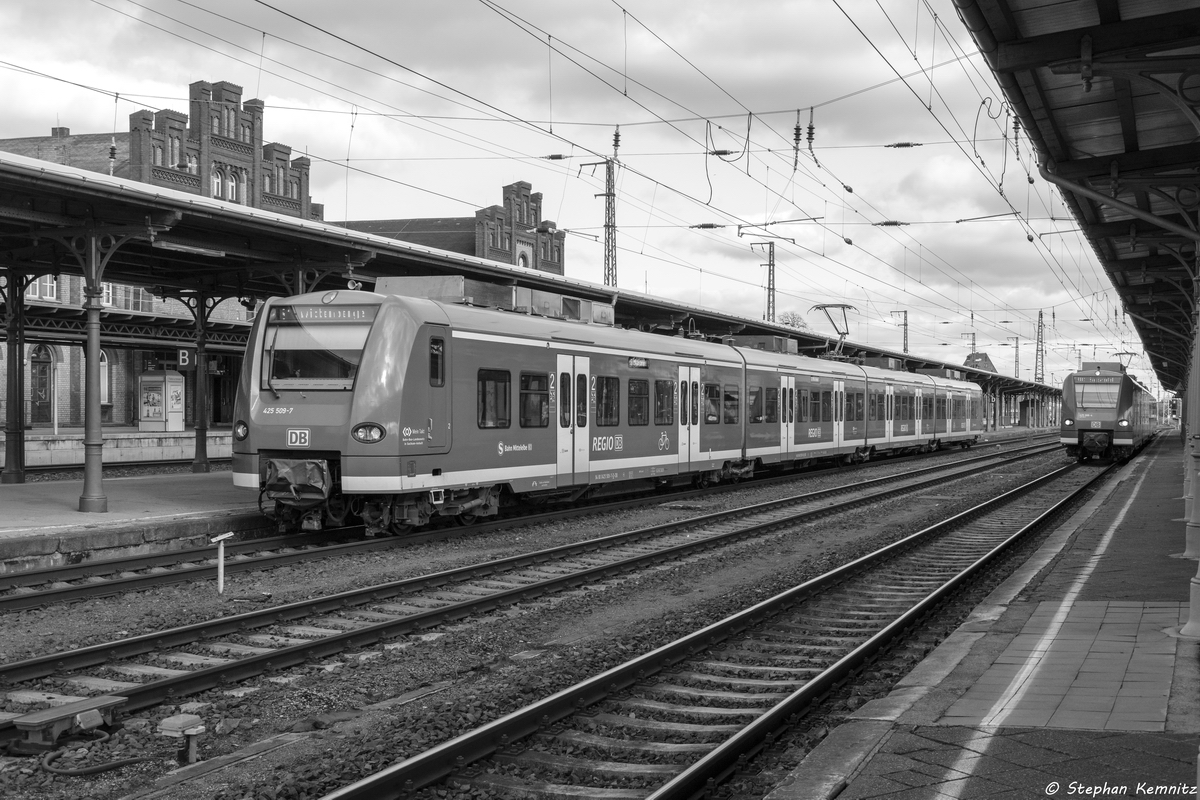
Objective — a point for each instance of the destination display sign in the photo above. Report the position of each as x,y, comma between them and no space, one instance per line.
1086,379
322,314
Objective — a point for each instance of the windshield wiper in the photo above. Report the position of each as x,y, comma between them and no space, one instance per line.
271,365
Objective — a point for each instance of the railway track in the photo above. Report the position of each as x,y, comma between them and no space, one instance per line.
103,578
166,665
691,715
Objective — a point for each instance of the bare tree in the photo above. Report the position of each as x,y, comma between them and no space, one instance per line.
793,319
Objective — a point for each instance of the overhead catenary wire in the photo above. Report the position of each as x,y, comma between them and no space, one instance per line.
658,183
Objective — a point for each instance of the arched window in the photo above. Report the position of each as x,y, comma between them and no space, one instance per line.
522,261
158,153
104,374
231,188
266,183
216,124
41,385
218,182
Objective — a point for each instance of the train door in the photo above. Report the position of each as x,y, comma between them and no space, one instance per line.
689,417
918,410
437,436
574,423
889,405
787,414
839,411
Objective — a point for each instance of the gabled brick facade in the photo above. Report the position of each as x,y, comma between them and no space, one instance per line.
216,150
512,233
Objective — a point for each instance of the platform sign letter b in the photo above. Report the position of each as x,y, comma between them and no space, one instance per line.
186,358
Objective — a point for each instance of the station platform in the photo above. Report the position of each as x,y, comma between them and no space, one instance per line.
41,525
1070,679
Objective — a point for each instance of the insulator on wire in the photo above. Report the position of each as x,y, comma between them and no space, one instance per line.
796,132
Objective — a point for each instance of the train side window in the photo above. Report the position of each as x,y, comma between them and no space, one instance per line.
664,402
564,400
608,402
695,403
712,403
581,401
493,386
535,400
732,390
754,404
639,401
802,405
858,406
437,361
772,405
814,407
826,407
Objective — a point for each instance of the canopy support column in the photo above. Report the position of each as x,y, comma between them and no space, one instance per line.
14,409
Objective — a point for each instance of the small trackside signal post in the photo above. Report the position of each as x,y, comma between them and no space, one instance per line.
220,543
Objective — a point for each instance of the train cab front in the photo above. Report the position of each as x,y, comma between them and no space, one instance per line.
1093,424
294,404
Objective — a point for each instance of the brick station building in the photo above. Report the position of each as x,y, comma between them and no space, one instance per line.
216,150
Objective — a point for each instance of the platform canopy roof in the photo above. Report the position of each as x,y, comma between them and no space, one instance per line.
173,242
1108,91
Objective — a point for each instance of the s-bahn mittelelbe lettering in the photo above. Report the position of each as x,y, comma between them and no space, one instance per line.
319,314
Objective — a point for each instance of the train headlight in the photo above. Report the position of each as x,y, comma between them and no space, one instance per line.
367,433
1068,422
1122,423
240,430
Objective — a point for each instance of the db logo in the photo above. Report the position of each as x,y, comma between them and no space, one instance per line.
297,437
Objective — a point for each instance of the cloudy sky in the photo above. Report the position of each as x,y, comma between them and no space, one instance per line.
427,109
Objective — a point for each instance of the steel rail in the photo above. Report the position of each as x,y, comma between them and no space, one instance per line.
22,601
210,677
444,759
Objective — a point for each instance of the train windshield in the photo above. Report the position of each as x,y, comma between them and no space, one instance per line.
314,347
1096,395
